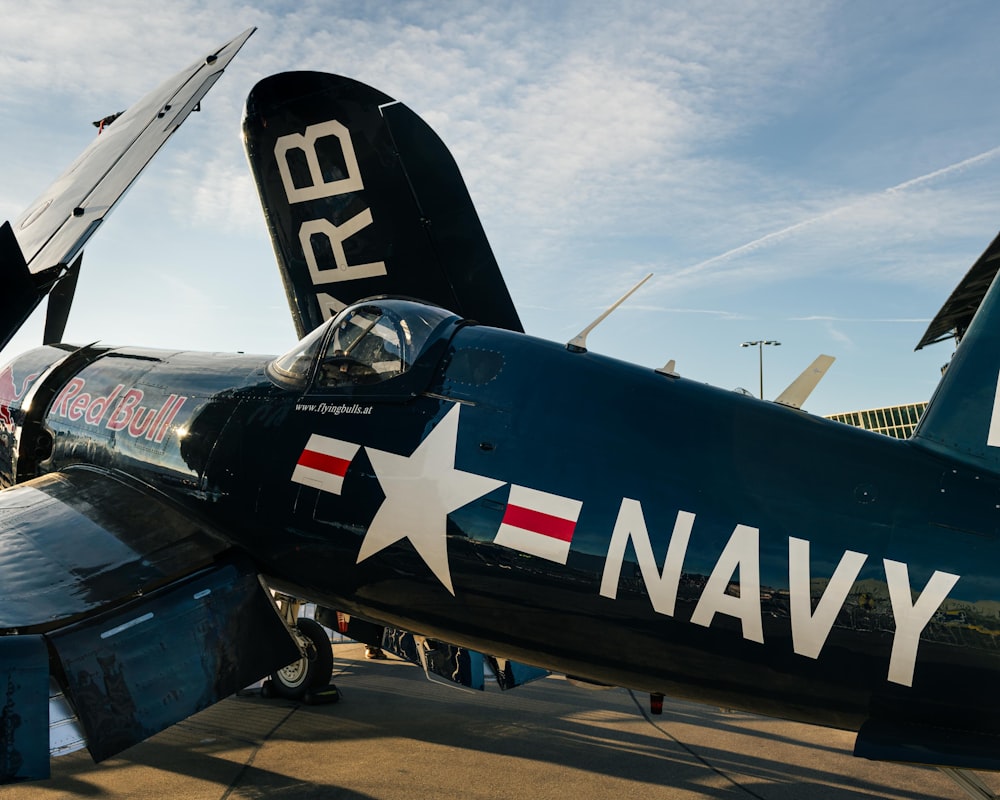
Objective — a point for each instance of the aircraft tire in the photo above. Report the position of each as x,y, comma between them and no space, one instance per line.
310,672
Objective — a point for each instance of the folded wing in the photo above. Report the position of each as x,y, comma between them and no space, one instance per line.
53,230
133,606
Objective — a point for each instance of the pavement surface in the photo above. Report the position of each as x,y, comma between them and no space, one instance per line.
395,735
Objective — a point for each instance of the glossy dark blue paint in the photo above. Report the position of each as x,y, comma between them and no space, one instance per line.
583,426
720,548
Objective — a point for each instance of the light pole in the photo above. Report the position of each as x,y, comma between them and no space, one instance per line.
759,344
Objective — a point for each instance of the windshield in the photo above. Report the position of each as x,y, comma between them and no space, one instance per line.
373,342
297,363
366,343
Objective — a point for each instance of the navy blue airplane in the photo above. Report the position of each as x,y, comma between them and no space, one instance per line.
443,484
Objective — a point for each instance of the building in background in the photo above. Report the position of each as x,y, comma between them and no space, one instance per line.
898,421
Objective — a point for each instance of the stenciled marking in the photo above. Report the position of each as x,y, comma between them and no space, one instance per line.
741,556
126,625
119,410
542,524
336,409
336,235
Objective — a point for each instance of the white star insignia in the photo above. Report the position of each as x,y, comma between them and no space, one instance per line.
420,491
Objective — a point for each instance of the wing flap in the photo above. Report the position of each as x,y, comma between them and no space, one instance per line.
138,669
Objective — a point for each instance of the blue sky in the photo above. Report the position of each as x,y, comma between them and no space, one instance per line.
821,174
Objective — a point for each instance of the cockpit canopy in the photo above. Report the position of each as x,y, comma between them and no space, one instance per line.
367,343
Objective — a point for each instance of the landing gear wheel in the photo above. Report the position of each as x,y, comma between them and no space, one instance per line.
311,672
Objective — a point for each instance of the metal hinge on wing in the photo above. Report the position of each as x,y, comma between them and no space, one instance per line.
66,734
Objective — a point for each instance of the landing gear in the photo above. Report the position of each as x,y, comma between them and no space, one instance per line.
308,678
313,670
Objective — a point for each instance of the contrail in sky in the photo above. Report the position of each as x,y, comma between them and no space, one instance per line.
775,235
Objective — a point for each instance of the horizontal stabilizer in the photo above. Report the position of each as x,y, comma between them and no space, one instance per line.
798,391
362,198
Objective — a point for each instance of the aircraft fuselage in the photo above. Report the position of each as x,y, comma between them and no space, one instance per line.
622,526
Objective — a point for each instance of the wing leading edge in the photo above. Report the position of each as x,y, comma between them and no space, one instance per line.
141,615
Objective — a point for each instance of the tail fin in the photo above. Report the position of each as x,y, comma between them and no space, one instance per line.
362,198
962,419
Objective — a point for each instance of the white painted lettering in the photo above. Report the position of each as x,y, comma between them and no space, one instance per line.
336,234
810,630
993,435
742,553
911,618
661,587
307,144
329,305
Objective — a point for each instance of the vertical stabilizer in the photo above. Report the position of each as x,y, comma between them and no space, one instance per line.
362,198
963,417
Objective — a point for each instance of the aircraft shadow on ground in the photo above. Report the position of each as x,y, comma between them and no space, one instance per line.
391,710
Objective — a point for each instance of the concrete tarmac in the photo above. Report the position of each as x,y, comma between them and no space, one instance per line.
395,735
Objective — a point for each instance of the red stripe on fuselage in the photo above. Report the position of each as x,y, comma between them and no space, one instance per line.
324,463
539,522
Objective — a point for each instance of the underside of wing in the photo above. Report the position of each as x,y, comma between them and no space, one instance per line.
362,198
955,316
37,250
138,612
